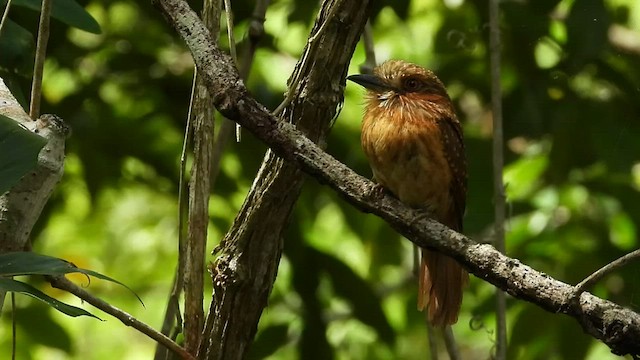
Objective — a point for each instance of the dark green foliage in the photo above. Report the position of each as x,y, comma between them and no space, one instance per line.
67,11
29,263
19,149
9,285
36,320
269,341
16,48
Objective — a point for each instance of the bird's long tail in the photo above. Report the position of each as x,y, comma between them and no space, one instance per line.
441,282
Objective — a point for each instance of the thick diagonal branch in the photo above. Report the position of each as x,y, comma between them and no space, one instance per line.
616,326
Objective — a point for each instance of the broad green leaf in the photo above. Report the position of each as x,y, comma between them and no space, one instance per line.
19,149
67,11
20,287
16,48
28,263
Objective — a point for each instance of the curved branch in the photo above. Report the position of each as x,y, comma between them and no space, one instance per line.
616,326
60,282
606,270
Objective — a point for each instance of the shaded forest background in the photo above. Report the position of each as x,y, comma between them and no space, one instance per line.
571,81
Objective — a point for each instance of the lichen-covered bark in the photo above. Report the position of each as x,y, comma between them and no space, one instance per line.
20,207
193,254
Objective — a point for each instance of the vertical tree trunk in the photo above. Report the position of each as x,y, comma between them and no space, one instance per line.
246,268
201,117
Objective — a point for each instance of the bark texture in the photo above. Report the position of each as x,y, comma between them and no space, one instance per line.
20,207
248,257
201,113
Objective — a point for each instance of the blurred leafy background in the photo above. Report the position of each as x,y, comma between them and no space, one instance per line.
571,78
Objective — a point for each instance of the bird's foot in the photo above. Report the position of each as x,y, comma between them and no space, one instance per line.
422,214
378,191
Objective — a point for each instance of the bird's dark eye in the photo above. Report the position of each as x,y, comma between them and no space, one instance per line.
411,84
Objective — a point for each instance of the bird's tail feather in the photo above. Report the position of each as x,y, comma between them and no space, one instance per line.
441,282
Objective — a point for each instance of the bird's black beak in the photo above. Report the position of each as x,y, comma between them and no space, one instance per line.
371,82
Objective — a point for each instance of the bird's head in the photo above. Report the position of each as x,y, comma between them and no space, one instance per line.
397,81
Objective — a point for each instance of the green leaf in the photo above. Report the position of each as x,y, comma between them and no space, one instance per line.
67,11
26,289
523,176
28,263
16,48
19,149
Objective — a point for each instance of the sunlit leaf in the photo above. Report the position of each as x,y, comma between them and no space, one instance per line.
522,176
28,263
622,231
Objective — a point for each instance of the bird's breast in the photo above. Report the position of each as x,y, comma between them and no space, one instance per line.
406,155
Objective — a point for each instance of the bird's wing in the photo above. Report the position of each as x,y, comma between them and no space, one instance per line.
453,145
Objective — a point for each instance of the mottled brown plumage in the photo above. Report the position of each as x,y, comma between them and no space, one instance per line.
413,140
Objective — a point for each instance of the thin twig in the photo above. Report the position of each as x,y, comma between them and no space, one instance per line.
232,50
172,313
431,331
431,338
60,282
369,49
5,14
41,53
232,42
14,333
605,270
450,343
183,190
498,164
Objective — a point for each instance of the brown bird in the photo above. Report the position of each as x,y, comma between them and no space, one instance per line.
413,140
